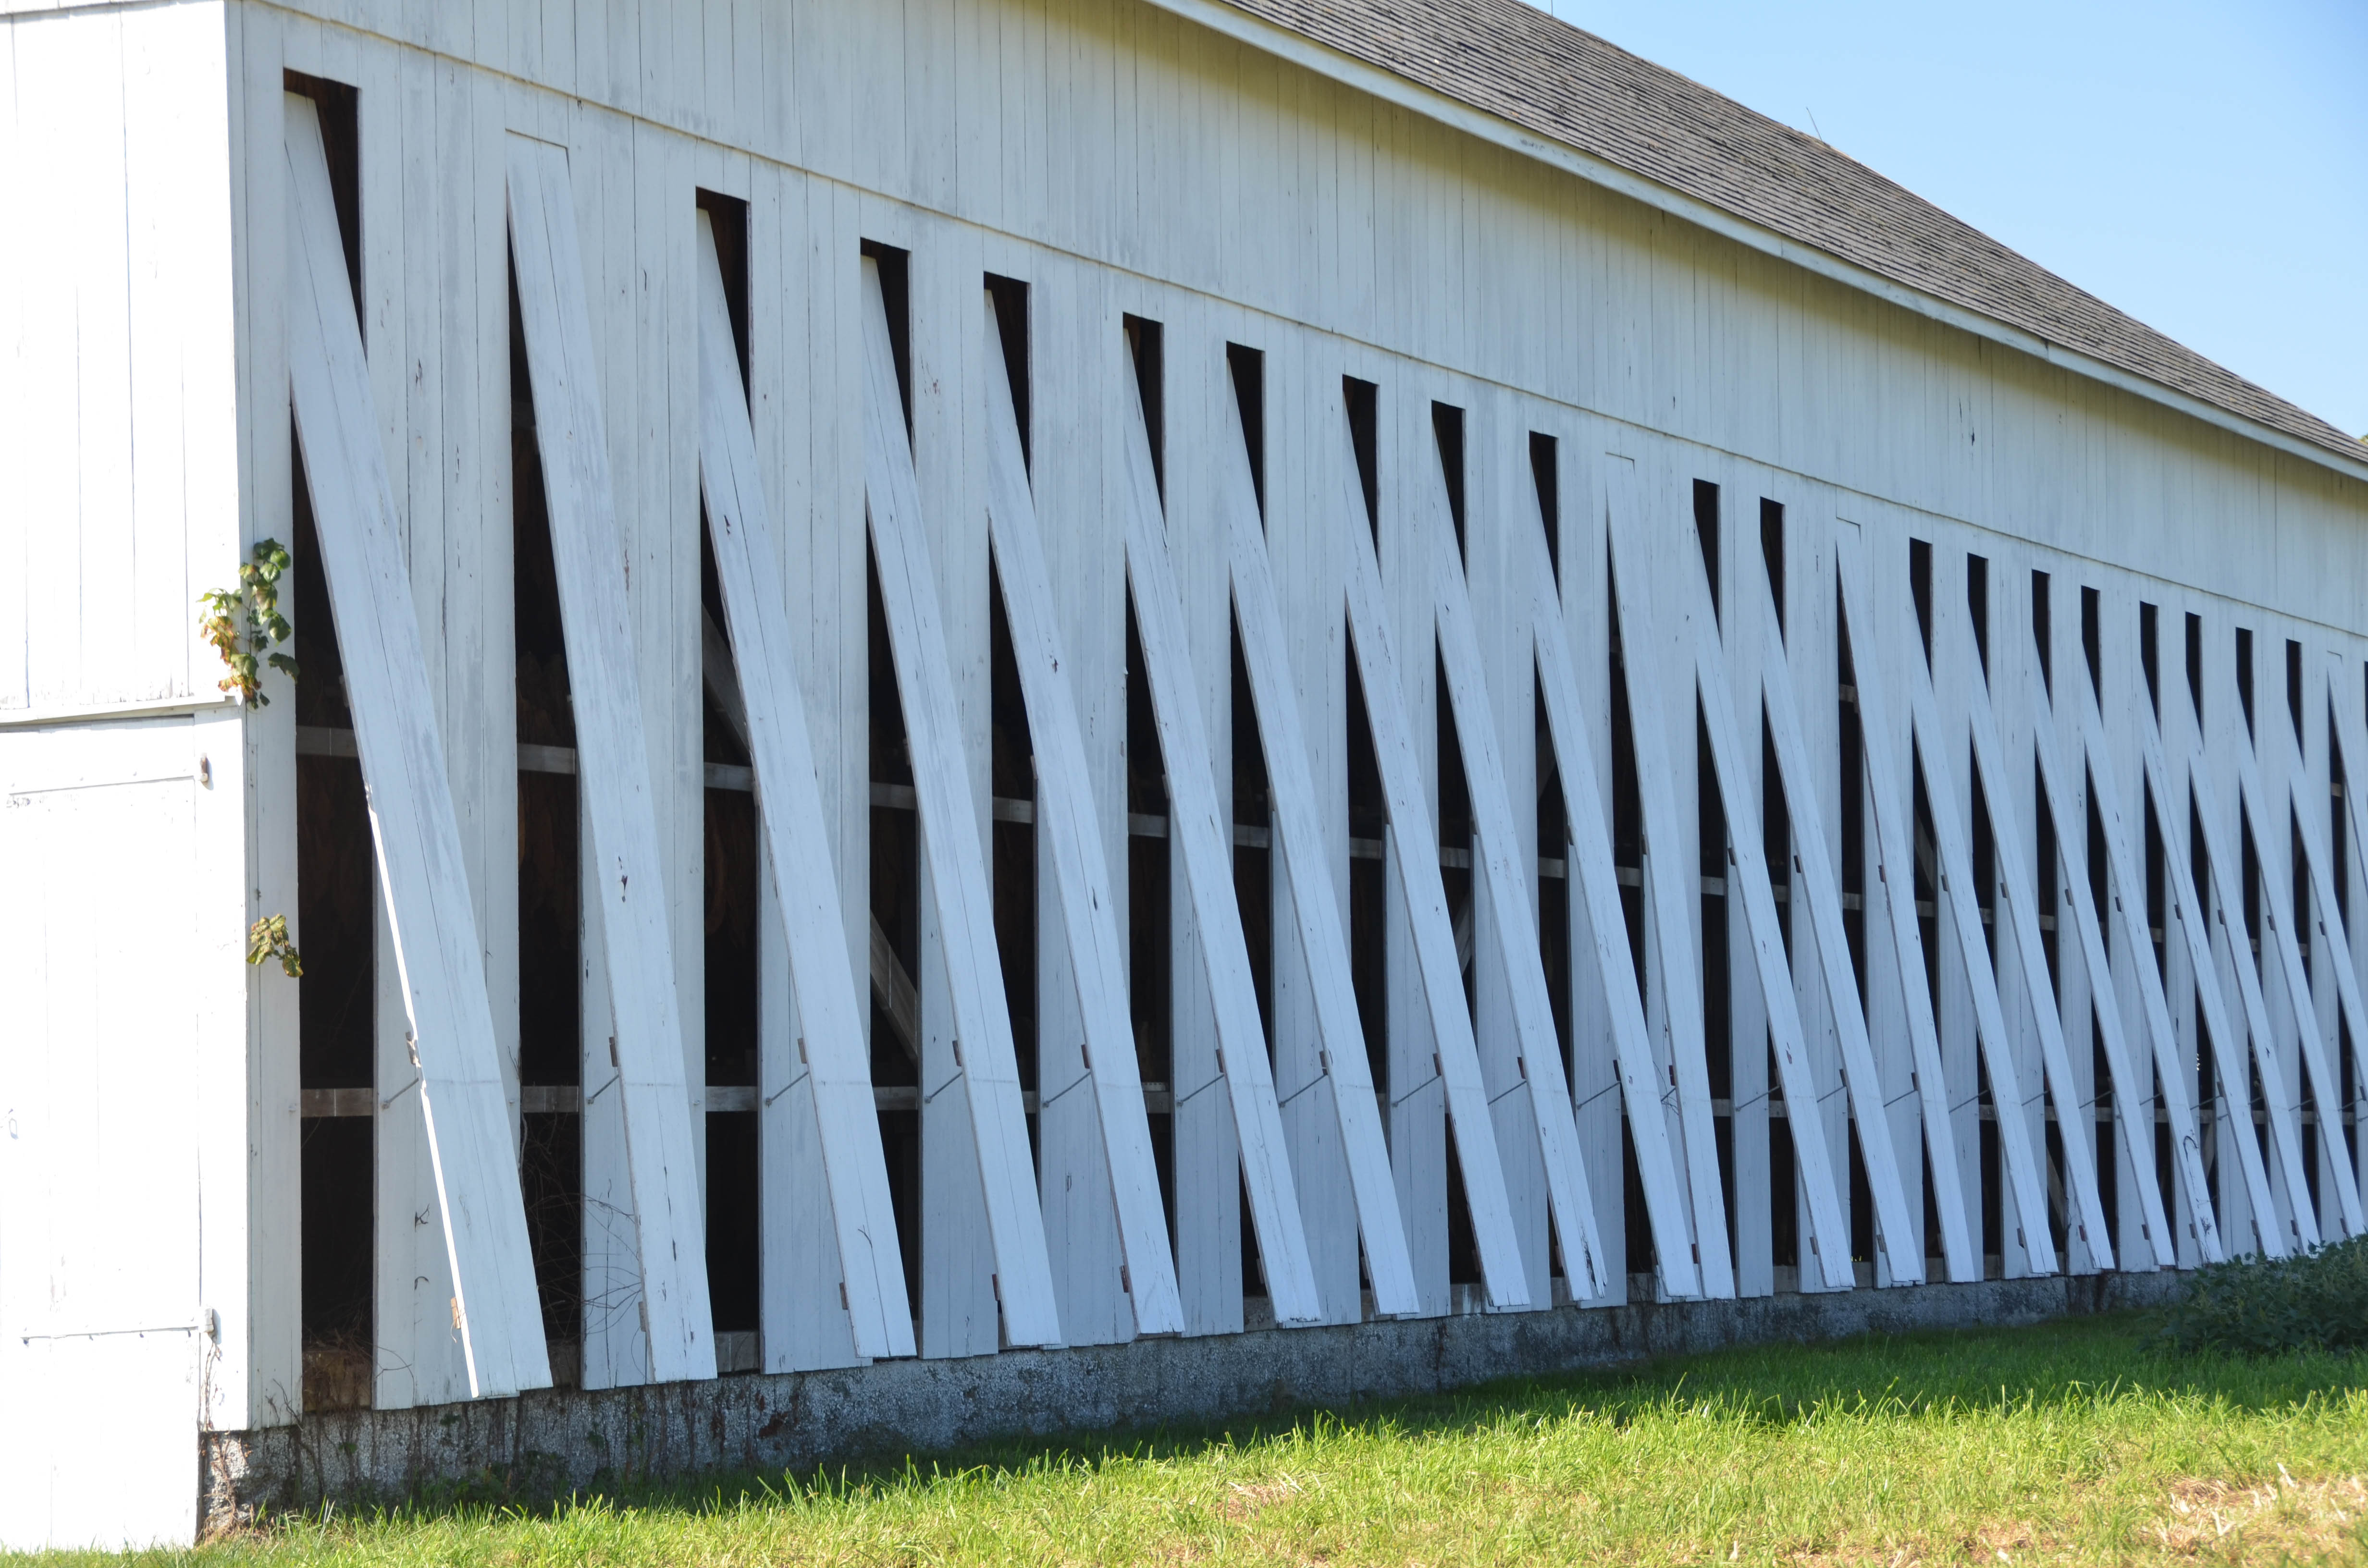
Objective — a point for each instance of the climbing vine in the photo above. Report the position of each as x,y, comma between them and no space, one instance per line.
244,624
268,939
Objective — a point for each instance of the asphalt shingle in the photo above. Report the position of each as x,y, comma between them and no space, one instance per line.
1547,76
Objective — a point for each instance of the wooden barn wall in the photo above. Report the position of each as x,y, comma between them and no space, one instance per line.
1122,162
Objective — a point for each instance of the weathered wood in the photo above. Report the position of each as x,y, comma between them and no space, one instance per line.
1199,830
1814,884
622,828
1504,880
1258,618
1456,1061
1595,899
2086,1211
417,834
1673,880
1066,819
2129,1087
2184,743
955,879
831,1060
1935,739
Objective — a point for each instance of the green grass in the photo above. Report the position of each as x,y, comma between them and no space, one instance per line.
2076,1442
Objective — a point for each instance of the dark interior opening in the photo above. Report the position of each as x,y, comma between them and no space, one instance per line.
1010,297
1706,534
1978,606
337,929
2294,688
1146,346
1456,841
1628,858
1771,552
1247,366
1919,588
339,107
551,1033
1447,426
1365,403
728,217
2195,665
896,867
2150,652
1012,768
2042,630
734,848
1151,917
2245,675
1545,478
2092,640
896,295
1367,880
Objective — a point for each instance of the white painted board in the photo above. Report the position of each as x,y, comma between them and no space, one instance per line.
1504,880
1814,884
1414,832
2173,1073
2173,748
2129,1088
613,767
954,861
1595,891
1205,840
413,826
103,1332
1066,823
1888,786
1315,903
832,1059
2019,911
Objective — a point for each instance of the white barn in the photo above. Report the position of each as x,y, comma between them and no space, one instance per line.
981,675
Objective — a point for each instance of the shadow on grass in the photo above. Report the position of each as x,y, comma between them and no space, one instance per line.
2065,1366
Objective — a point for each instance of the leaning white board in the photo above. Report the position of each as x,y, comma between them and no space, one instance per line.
1204,841
1672,879
1505,882
2130,1088
613,767
983,1057
1413,834
2018,913
2176,740
1258,613
831,1055
1066,819
1596,880
2271,808
413,826
1934,741
1685,595
2173,1073
1815,885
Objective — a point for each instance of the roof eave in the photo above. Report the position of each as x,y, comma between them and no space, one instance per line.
1388,85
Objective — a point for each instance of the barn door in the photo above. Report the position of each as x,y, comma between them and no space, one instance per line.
102,1335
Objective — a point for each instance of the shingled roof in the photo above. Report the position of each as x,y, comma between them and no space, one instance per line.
1541,74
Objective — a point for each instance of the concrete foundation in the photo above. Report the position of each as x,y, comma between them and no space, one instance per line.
550,1443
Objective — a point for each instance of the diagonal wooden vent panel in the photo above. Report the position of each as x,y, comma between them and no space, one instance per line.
831,1065
985,1060
1066,818
626,881
414,828
1204,841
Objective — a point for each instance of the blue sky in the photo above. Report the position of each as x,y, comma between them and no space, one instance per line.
2204,167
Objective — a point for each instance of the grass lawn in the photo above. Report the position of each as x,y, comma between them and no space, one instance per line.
2074,1442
